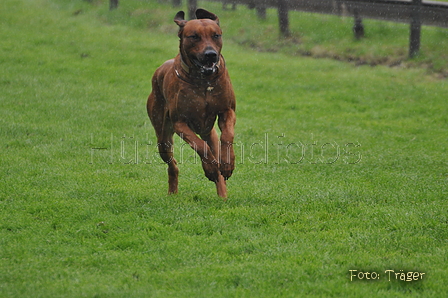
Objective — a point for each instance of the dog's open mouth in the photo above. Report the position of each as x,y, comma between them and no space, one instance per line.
208,66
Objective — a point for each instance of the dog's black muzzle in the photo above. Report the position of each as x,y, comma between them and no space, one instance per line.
208,64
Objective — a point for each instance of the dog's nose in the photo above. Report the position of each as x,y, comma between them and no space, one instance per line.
211,55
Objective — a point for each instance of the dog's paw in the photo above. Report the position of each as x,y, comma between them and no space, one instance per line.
211,171
227,170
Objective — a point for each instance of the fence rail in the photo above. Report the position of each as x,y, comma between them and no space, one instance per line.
432,13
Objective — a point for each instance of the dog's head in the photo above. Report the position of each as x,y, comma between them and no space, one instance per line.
200,41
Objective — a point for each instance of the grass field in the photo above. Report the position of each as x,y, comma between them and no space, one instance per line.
339,167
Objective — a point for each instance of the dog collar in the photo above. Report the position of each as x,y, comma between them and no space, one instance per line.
186,68
184,65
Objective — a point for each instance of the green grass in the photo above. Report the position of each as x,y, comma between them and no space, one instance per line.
339,167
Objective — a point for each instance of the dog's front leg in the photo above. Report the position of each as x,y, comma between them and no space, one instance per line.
209,163
212,140
226,123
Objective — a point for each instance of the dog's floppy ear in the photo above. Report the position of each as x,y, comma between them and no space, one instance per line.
204,14
179,19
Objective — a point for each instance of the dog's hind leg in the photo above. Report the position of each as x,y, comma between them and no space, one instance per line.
164,132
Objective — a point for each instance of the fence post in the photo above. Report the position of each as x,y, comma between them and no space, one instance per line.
283,17
358,27
113,4
261,11
192,5
416,25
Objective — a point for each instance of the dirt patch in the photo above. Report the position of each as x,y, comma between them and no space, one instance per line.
399,60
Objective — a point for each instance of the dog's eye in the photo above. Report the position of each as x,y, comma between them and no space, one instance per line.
217,36
193,37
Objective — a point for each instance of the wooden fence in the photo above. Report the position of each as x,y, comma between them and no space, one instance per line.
414,12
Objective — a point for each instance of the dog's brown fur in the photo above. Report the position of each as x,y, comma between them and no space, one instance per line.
188,93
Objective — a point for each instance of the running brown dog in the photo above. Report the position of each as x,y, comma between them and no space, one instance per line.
188,93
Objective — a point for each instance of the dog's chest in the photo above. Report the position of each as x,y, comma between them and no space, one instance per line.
200,106
205,99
